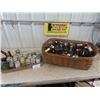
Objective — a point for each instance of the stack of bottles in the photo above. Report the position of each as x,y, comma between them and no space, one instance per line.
17,60
74,50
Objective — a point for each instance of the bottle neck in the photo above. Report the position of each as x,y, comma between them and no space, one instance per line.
10,54
4,53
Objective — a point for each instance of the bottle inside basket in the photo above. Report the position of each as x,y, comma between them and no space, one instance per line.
92,52
50,49
66,48
88,51
58,47
74,51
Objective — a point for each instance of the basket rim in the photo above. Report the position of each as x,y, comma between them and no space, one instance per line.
69,40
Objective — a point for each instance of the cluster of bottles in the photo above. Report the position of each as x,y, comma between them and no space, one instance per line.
19,59
70,49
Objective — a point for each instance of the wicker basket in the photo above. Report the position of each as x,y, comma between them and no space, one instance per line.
79,63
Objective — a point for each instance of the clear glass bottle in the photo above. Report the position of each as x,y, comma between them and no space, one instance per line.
11,62
22,61
17,64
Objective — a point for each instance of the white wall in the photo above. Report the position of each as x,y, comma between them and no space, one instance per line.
32,35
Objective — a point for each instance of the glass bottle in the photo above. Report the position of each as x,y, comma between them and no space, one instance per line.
17,64
4,59
22,61
86,52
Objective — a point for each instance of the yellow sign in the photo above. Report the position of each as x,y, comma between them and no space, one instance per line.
61,29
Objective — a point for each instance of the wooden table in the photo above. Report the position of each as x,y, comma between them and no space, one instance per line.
49,74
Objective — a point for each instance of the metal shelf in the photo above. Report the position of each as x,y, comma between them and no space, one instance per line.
42,22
